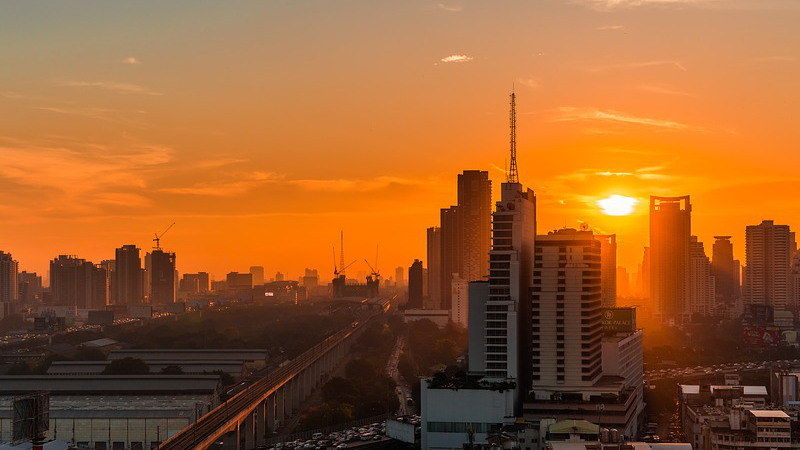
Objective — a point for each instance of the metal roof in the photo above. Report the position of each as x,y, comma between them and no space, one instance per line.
769,413
188,367
120,384
191,354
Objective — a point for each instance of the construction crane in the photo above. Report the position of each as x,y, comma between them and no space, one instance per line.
158,237
375,272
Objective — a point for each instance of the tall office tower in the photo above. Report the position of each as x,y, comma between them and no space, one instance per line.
450,259
77,282
608,268
768,252
415,285
670,232
162,277
29,286
623,282
508,306
399,277
9,269
434,239
258,275
702,296
126,281
475,215
725,270
566,296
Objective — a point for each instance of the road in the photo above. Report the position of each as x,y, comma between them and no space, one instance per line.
717,369
402,390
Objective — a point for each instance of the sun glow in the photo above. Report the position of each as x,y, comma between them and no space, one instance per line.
617,205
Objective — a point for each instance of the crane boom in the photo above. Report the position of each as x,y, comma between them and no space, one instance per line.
158,237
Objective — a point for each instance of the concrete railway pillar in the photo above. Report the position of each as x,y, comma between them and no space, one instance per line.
270,416
261,422
280,406
296,385
230,440
248,432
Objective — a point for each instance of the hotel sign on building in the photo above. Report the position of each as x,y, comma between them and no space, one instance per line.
616,320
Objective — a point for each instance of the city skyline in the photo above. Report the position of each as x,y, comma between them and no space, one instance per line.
125,141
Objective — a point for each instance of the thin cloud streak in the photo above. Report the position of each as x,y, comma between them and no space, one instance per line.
124,88
449,8
640,65
574,114
455,59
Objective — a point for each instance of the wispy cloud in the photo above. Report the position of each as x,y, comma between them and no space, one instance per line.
456,59
642,173
775,58
449,8
232,185
640,64
531,82
94,113
572,114
660,89
343,185
124,88
611,28
132,60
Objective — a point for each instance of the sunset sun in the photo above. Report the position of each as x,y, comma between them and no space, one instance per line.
617,205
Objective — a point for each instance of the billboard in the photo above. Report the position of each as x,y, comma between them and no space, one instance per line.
756,336
617,320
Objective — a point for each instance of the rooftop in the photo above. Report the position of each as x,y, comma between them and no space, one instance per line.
118,384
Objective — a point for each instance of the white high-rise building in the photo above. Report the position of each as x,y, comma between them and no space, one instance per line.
768,252
566,301
702,293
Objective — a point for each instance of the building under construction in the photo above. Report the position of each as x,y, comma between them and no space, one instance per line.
341,288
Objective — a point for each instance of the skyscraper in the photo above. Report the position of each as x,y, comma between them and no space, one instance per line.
126,282
768,252
702,299
415,285
399,277
670,232
258,275
451,258
162,277
725,270
434,241
29,286
567,297
9,268
475,215
77,282
608,267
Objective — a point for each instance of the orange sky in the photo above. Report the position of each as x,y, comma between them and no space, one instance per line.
263,128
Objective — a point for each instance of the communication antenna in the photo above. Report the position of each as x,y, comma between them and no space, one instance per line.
513,173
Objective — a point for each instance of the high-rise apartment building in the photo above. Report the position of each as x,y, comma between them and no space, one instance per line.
768,253
434,241
311,278
126,281
670,236
258,275
702,298
450,259
508,307
725,270
9,269
399,277
475,216
29,286
415,285
77,282
162,277
566,302
608,268
199,282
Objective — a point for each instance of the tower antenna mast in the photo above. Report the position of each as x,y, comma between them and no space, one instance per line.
341,254
513,175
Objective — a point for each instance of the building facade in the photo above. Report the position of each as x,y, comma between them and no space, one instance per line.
126,281
670,235
768,253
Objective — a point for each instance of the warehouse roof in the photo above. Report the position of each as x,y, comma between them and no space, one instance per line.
118,384
189,367
192,354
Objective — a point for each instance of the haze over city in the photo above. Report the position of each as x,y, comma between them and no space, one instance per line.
263,128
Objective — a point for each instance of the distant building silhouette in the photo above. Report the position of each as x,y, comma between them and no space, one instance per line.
399,277
725,270
702,298
162,277
608,268
450,259
768,253
311,278
9,269
258,275
415,285
670,232
29,286
236,280
126,278
623,282
434,240
77,282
